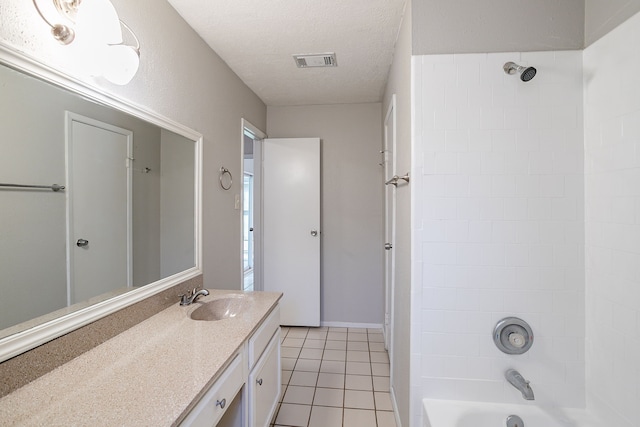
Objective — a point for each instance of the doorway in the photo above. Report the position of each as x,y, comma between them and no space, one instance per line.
99,207
251,201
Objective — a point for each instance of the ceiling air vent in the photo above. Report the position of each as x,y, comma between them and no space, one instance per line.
316,60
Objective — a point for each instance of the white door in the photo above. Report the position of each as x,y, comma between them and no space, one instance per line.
291,227
99,207
390,213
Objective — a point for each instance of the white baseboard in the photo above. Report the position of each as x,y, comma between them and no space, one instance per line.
394,405
352,325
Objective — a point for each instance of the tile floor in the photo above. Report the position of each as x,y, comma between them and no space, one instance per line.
334,377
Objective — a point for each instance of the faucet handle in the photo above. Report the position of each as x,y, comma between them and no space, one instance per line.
186,297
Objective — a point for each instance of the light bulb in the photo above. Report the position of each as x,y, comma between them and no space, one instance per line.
98,23
121,65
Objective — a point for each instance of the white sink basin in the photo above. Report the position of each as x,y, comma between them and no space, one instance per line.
220,308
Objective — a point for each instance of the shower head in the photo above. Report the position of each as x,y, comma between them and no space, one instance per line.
526,73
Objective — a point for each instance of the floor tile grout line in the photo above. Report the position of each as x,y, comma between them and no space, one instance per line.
344,388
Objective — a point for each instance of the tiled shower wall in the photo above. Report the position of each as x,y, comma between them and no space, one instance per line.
498,225
612,167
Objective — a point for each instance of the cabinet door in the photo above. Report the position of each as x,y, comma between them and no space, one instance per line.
264,385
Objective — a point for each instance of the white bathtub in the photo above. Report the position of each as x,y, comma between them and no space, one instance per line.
455,413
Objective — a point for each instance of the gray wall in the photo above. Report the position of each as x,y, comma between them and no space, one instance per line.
602,16
352,205
467,26
181,78
33,236
399,83
177,198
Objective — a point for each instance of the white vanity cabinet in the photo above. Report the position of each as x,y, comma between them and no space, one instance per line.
264,384
257,367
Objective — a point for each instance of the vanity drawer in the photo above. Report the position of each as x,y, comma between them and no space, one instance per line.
215,402
258,342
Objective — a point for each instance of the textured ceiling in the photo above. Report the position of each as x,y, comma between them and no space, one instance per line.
257,39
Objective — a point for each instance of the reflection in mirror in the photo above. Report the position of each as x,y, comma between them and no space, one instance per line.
126,217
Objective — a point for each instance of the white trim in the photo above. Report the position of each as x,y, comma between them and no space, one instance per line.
394,405
351,325
16,344
257,135
390,287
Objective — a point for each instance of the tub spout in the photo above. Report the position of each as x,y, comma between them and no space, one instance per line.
517,380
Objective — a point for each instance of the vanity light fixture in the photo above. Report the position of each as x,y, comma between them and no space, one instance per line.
95,26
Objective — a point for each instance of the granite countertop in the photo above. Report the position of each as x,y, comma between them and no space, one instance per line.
150,375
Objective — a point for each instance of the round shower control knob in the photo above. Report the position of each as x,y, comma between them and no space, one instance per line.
513,335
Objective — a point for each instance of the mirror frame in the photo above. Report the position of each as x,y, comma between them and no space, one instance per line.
21,342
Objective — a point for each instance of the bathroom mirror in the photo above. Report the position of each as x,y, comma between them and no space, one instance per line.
126,224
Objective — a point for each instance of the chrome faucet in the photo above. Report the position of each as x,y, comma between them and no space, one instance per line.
517,380
191,296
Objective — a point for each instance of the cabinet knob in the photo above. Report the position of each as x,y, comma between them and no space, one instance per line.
221,403
259,381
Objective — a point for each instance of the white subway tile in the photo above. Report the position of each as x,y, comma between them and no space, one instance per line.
480,140
552,185
504,95
480,277
516,118
540,162
445,118
446,163
516,163
564,209
456,231
457,140
493,163
480,186
456,276
433,231
456,185
442,208
539,209
480,231
539,118
528,185
433,140
492,118
517,255
541,255
504,140
440,253
438,299
433,186
470,163
516,209
528,140
480,95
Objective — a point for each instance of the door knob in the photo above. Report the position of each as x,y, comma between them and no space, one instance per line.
81,243
388,246
314,233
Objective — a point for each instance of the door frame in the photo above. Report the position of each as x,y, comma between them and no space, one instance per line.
258,135
389,151
71,117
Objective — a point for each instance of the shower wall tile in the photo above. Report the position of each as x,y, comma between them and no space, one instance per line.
501,226
612,149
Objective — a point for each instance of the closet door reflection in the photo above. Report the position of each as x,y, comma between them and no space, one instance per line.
99,206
